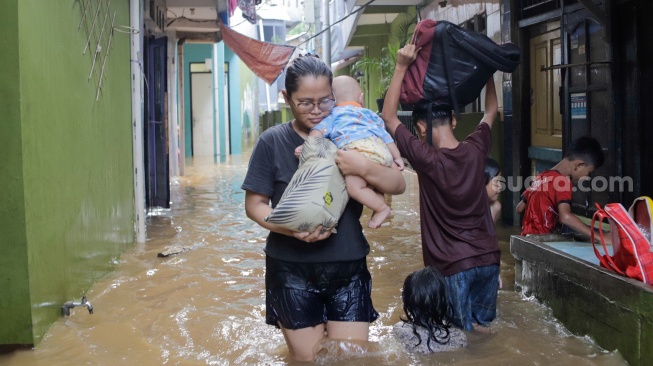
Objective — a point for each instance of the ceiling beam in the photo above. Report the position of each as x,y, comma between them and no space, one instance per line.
381,9
197,37
596,11
601,16
207,25
372,29
363,33
191,3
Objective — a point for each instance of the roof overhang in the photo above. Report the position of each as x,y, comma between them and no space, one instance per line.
195,20
384,11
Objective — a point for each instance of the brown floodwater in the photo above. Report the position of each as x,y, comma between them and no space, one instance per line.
205,305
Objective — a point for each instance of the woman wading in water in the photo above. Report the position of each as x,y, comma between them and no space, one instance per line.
317,284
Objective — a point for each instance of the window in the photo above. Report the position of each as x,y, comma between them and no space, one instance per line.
532,8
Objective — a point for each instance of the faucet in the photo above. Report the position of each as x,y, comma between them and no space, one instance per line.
65,309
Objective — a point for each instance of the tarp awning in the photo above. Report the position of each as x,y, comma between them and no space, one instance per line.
266,60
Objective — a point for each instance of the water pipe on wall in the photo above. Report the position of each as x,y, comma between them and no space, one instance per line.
137,121
65,308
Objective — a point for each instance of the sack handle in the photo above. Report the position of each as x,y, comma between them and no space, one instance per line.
429,124
606,260
444,44
491,58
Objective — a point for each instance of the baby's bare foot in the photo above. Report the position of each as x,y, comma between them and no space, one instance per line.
377,218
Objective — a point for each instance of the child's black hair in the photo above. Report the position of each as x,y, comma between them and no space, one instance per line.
425,304
441,115
492,169
587,149
303,66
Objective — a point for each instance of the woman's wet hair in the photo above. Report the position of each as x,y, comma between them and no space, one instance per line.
492,169
305,65
425,304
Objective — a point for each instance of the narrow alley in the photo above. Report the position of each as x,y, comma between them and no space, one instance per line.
205,305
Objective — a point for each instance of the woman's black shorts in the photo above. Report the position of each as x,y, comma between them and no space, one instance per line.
301,295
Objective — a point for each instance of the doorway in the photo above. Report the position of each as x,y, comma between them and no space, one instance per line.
203,131
546,117
157,180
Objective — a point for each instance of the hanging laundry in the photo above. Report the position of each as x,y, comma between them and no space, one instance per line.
233,4
249,9
265,59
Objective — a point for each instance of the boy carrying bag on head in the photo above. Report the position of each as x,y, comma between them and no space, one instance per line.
458,234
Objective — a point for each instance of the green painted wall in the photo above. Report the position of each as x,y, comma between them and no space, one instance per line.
235,112
220,116
248,101
374,38
76,159
14,286
242,97
468,123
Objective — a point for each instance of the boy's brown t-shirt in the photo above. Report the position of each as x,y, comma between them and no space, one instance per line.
457,228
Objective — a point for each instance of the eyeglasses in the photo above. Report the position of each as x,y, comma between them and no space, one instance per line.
324,105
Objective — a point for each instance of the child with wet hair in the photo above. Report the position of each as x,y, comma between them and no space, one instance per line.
493,186
458,235
426,328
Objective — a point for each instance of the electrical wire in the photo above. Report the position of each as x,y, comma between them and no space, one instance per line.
331,25
235,25
245,20
362,7
190,19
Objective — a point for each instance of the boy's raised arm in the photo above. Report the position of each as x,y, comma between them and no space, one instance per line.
491,103
405,56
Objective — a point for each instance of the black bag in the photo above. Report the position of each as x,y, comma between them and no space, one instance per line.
461,63
458,66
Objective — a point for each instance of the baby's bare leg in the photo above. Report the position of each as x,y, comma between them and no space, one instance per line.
358,189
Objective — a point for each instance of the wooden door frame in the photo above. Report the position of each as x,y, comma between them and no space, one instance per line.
553,141
156,145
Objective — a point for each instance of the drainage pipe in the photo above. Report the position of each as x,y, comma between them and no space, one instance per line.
326,36
137,119
261,36
173,129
